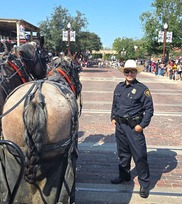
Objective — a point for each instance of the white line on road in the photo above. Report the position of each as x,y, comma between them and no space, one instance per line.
99,111
110,102
111,147
172,93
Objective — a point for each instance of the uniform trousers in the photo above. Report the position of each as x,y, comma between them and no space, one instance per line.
132,144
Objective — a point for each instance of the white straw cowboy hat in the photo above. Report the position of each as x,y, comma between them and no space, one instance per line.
131,64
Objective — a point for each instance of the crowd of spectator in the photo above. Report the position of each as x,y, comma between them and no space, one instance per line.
171,69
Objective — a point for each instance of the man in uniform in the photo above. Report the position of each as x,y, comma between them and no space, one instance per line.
131,112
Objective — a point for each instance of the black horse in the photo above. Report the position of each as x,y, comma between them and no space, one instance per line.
29,63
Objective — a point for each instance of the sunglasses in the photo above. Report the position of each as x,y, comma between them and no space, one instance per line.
132,71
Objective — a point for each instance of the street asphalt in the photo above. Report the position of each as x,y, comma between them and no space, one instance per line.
97,161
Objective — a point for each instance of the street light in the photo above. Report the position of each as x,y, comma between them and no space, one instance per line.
164,42
69,28
68,36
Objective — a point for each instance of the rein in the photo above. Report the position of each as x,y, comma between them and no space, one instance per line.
17,71
16,68
16,104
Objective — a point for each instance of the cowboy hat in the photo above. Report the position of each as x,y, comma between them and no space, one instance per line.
131,64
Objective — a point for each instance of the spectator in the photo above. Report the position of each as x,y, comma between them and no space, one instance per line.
179,70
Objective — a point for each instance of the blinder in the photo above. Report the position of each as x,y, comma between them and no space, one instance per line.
32,56
43,57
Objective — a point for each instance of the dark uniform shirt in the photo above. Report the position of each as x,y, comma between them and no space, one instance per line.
133,99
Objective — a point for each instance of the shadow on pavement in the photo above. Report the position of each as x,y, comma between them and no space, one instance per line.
97,166
103,164
98,138
161,161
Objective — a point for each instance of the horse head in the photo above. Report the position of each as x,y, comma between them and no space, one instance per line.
69,70
35,59
76,67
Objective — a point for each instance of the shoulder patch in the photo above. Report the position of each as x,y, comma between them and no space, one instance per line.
147,93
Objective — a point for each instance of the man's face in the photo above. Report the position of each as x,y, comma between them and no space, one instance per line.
130,74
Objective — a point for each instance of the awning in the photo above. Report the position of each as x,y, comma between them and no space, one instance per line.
9,27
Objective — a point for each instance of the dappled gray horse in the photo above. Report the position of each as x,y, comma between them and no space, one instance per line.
45,126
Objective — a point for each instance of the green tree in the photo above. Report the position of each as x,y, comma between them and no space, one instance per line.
54,26
164,11
140,49
52,29
89,41
127,48
124,48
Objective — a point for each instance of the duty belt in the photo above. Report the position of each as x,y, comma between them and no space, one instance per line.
131,121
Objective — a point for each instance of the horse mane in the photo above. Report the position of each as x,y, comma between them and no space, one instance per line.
35,120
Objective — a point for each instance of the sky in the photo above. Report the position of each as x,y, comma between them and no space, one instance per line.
109,19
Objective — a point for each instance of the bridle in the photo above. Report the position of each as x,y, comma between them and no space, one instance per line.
39,54
18,70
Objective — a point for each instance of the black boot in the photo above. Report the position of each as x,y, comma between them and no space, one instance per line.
124,175
144,192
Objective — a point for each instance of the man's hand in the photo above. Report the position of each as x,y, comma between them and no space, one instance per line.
138,128
113,122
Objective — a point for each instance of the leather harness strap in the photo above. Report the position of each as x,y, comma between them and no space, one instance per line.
63,73
17,70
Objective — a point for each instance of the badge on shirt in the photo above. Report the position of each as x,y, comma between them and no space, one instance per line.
147,93
133,91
